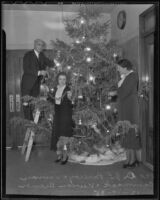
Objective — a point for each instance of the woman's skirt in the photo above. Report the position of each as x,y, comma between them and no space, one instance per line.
131,140
62,124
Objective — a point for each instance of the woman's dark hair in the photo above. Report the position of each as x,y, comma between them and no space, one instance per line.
125,64
62,74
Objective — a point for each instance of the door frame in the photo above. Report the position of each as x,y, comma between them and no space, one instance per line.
142,35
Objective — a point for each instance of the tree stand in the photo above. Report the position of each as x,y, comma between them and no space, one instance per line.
29,138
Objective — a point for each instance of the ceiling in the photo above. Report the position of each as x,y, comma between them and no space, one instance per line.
72,7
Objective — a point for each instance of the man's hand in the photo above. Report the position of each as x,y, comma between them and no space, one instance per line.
25,103
69,94
43,73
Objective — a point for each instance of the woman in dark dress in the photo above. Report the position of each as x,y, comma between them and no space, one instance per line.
62,124
128,109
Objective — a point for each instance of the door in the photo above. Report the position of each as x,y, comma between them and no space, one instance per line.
147,27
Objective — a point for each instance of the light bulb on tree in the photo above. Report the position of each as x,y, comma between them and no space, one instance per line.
87,49
83,37
80,96
108,107
75,74
82,21
80,122
88,59
91,78
115,56
77,41
68,67
57,64
52,89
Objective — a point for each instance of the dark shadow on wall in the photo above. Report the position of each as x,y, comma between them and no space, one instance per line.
130,51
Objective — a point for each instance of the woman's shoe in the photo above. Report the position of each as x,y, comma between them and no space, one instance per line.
125,165
58,159
63,162
133,164
137,163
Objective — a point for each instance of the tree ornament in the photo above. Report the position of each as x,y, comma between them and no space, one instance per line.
80,96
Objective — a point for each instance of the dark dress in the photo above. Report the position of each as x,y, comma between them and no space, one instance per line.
30,83
128,109
63,123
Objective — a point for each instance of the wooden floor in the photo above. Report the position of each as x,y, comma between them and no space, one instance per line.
41,176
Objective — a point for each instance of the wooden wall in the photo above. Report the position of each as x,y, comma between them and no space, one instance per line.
14,71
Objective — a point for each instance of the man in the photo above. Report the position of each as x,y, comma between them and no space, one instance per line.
34,67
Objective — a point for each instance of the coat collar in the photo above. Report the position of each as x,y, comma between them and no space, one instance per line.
35,56
65,89
123,80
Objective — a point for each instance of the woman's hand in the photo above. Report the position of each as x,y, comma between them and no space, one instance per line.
69,94
112,93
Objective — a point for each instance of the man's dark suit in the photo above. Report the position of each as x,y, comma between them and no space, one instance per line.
30,84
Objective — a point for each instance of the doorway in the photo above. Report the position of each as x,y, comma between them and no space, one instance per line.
147,31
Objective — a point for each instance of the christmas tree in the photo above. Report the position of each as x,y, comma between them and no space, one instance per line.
90,64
